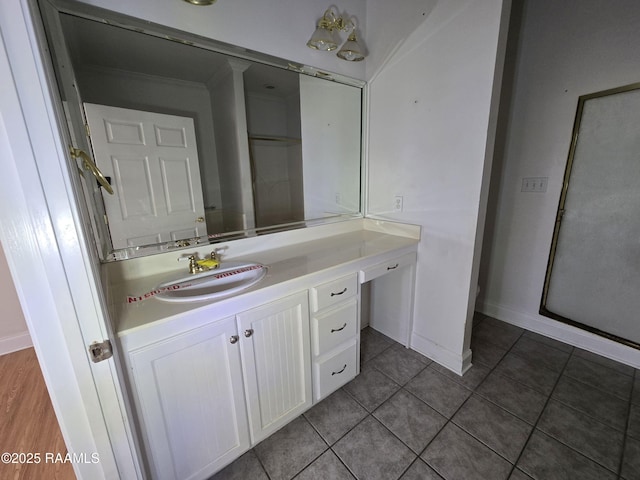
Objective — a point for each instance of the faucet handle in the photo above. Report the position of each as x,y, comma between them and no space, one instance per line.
216,254
193,261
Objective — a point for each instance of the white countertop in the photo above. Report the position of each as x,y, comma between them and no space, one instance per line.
291,268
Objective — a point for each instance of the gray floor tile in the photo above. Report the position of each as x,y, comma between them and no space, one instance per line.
633,428
514,397
588,436
247,466
528,372
635,397
455,454
371,388
519,475
420,471
486,353
599,376
631,460
335,415
620,367
371,452
471,378
592,401
410,419
290,449
547,459
372,343
399,363
565,347
477,318
541,354
497,333
438,391
328,466
493,426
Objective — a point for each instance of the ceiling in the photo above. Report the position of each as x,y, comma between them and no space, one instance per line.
98,44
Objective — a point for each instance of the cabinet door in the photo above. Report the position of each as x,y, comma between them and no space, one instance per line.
191,401
276,364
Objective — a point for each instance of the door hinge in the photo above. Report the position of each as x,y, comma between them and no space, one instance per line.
100,351
86,127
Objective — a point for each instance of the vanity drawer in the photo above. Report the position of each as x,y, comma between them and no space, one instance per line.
335,371
387,267
330,293
334,327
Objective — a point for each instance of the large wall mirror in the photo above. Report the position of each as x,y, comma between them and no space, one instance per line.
198,141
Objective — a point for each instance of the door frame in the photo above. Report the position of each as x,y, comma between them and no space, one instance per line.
54,267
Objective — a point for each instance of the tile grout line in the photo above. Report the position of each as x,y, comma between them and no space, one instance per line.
626,426
535,425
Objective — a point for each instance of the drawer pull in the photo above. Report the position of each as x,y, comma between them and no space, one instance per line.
234,339
394,267
248,332
339,293
334,330
338,373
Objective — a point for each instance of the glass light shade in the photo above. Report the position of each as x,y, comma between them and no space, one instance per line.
351,51
322,39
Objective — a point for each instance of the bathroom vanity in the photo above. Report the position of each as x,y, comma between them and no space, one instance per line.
211,379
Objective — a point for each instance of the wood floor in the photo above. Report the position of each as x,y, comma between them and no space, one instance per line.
27,422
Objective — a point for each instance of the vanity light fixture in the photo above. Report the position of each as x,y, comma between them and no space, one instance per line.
326,40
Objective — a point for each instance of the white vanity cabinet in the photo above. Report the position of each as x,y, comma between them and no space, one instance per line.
191,401
335,334
207,395
211,380
276,363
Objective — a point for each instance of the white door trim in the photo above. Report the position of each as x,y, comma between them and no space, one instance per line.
54,272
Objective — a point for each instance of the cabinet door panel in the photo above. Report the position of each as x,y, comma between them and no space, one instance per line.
192,402
276,363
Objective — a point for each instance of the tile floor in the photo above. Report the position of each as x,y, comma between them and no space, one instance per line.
530,407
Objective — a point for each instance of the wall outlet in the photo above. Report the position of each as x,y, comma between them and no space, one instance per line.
534,184
397,203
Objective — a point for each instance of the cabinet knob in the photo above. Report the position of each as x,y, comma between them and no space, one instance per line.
234,339
200,219
248,332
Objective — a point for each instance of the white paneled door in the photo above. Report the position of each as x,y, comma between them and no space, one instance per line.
152,161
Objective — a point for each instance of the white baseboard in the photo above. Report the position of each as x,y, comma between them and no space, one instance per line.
564,333
15,343
458,364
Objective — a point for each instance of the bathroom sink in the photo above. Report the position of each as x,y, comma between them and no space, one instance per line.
229,278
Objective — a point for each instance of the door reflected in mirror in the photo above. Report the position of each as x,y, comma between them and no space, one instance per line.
200,145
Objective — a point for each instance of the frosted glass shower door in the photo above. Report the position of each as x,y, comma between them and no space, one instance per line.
593,276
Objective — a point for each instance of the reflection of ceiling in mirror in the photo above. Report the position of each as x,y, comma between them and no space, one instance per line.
99,44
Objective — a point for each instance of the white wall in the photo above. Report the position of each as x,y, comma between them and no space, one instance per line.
566,49
431,124
279,28
14,334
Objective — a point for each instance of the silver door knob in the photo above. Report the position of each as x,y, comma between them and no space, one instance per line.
234,339
248,332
